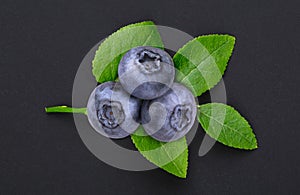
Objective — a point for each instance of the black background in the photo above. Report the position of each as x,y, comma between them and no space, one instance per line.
42,44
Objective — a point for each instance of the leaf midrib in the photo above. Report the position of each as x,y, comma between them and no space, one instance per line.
152,31
165,151
172,161
210,54
223,124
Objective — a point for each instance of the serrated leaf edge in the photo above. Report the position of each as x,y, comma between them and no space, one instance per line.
144,23
228,59
184,172
243,118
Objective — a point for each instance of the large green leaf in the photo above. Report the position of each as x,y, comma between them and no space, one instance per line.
171,156
111,50
201,62
227,126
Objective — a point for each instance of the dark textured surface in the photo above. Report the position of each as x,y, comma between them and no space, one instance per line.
43,42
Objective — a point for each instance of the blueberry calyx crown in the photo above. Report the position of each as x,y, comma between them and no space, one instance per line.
181,117
110,113
148,61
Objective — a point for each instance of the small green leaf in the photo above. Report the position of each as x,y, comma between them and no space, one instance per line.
201,62
111,50
227,126
65,109
171,157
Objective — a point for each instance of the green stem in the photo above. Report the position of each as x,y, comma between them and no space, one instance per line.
65,109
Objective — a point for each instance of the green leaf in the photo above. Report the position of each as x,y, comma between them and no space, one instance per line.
201,62
171,156
65,109
111,50
227,126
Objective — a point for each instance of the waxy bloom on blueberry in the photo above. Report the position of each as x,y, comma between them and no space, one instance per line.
146,72
113,112
170,116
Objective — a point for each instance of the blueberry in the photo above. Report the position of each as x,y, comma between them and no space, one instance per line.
146,72
170,116
112,112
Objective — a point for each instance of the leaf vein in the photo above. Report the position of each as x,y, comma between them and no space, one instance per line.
203,60
223,124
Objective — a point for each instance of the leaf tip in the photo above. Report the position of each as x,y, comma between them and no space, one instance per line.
182,176
255,145
150,22
233,38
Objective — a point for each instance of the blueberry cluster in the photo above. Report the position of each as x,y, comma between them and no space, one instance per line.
147,95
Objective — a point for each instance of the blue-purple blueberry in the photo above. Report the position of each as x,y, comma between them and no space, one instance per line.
171,116
112,112
146,72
